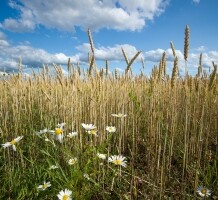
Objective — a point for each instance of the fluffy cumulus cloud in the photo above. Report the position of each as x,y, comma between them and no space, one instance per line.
95,14
31,57
108,53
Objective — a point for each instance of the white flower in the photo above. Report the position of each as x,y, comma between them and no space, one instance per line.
87,177
44,186
65,195
93,132
102,156
72,134
111,129
12,143
88,127
203,191
53,167
119,115
118,160
58,134
72,161
42,131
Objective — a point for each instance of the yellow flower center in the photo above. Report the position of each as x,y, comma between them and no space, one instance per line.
117,162
58,131
120,115
93,132
65,197
12,142
73,161
45,185
204,190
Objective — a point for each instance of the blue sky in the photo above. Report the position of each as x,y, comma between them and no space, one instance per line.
45,32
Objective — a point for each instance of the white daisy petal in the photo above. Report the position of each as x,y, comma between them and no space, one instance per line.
119,115
88,126
7,144
102,156
61,125
53,167
18,138
14,147
72,134
111,129
60,138
42,131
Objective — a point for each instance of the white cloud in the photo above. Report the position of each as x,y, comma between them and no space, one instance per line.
108,53
31,57
119,69
94,14
20,25
201,48
24,23
2,36
196,1
3,44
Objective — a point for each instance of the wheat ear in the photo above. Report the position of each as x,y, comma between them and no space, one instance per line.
186,46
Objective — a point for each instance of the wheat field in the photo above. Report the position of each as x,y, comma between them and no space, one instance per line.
151,137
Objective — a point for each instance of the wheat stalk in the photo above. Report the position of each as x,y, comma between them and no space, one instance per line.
91,42
212,77
173,49
125,56
106,67
200,69
131,61
175,72
143,62
186,46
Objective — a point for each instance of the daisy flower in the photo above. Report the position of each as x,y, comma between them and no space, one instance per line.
12,143
45,130
118,160
93,132
87,177
53,167
65,195
72,161
58,132
44,186
119,115
72,134
111,129
203,191
88,127
102,156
